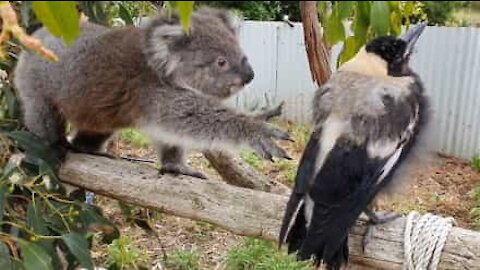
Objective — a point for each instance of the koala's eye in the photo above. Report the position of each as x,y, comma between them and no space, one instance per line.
221,61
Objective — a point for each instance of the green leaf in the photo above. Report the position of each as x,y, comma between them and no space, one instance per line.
78,246
35,220
5,260
344,9
25,12
334,31
92,217
396,23
322,10
34,257
380,17
125,15
3,193
11,100
34,146
185,9
350,49
408,11
361,22
60,17
394,5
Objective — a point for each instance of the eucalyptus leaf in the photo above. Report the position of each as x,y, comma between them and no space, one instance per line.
5,260
34,257
380,17
34,146
125,15
185,9
3,193
60,17
35,221
396,23
78,246
92,217
334,31
344,9
361,21
350,49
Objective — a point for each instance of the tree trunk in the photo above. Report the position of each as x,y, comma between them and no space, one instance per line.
244,211
317,51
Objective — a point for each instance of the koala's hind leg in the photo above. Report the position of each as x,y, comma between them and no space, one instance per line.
45,121
91,143
173,162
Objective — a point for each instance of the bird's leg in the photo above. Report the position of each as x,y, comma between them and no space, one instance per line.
375,219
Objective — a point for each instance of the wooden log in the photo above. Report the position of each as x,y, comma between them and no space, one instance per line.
244,211
236,172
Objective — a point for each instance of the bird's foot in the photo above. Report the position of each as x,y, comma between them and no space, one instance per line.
376,219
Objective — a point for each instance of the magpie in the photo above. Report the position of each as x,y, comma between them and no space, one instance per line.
366,120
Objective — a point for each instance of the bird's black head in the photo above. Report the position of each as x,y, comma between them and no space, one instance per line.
396,51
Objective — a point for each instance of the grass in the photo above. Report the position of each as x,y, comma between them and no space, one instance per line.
476,163
475,211
184,260
136,138
301,133
122,254
287,168
252,159
262,255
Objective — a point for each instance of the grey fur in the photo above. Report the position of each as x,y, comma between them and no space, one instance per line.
157,79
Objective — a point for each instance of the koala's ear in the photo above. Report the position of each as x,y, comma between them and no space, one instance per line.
230,19
162,36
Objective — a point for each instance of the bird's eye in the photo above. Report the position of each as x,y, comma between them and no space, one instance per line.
221,61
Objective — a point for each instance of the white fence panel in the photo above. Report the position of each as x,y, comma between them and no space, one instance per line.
448,59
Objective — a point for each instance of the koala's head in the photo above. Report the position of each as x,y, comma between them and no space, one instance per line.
208,58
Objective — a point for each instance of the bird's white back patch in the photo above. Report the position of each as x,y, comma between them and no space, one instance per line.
389,164
292,219
309,204
332,129
382,148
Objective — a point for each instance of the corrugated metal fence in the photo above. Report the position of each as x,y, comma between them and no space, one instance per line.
448,60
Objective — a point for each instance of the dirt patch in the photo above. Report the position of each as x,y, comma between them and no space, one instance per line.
444,188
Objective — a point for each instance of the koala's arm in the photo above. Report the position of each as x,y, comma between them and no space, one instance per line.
187,118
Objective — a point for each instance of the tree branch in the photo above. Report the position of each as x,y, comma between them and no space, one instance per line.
245,211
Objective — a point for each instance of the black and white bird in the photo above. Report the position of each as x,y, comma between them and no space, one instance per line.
367,119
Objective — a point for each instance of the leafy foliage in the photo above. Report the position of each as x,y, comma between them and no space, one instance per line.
476,163
184,260
60,17
260,10
262,255
364,19
123,255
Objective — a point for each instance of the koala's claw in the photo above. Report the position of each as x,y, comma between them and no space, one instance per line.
180,169
267,149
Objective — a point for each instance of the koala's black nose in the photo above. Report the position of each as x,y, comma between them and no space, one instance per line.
248,76
248,73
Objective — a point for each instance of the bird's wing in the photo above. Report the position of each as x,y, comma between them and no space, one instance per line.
329,196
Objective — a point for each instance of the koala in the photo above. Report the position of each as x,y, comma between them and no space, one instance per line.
159,79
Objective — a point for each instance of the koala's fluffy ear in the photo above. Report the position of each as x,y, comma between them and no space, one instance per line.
230,19
161,34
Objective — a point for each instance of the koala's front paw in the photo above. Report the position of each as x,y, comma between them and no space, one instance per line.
266,147
180,169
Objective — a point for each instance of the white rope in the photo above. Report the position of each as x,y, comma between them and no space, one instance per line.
425,236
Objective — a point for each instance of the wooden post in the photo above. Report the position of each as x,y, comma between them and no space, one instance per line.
244,211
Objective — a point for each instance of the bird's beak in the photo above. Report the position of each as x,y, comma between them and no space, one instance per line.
412,36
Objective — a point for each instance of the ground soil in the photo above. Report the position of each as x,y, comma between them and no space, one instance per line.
442,187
